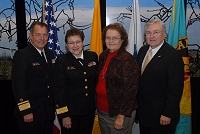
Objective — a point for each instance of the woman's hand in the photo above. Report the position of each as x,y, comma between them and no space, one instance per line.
119,122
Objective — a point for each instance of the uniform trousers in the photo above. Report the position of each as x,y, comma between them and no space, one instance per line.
35,127
106,123
81,124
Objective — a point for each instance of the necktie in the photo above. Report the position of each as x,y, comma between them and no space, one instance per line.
81,61
148,58
43,57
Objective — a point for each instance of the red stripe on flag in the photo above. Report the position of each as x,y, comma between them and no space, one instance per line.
56,130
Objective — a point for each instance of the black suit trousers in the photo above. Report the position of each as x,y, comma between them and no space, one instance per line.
163,129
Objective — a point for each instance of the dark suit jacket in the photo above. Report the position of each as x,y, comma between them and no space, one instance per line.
74,88
160,86
32,83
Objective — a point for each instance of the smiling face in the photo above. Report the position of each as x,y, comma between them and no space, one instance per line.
154,35
75,45
113,40
39,36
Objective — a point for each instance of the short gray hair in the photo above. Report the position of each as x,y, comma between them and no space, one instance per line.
154,21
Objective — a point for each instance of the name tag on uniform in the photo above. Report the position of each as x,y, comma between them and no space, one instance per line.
36,64
71,68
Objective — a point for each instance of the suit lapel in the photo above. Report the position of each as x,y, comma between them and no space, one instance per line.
87,60
141,58
155,59
50,59
74,61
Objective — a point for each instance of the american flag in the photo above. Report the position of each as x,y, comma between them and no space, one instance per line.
53,42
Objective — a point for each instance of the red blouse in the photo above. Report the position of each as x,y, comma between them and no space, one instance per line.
101,98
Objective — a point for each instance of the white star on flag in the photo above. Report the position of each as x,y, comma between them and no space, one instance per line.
53,43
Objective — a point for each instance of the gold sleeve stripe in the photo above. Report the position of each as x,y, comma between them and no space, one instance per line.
21,103
62,110
24,105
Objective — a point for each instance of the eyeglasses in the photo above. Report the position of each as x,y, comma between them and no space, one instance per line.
113,38
155,33
74,42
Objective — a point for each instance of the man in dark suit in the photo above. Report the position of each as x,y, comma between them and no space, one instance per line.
32,78
161,82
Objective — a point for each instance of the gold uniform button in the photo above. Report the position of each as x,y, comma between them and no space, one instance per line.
84,73
85,79
48,86
86,87
86,94
20,99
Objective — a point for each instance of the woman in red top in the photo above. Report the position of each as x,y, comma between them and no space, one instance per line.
117,86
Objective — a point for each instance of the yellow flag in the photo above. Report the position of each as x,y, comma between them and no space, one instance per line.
177,37
96,33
